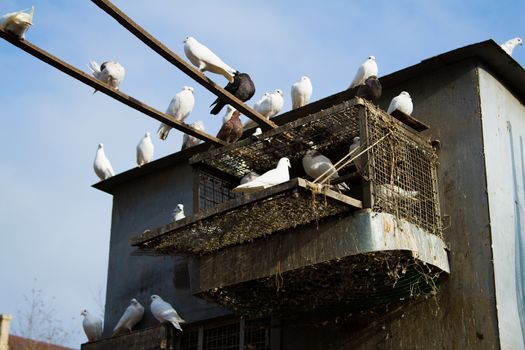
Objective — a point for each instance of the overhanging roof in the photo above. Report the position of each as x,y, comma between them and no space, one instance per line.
488,52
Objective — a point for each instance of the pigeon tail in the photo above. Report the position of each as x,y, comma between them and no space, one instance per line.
95,68
219,105
176,325
163,131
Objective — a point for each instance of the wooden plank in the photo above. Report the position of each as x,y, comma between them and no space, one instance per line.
159,337
106,89
178,62
409,120
325,190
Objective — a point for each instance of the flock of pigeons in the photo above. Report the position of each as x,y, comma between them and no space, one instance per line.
161,310
315,165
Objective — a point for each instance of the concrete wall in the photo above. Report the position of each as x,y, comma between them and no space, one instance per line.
503,134
144,204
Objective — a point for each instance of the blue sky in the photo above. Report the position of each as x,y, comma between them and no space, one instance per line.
55,227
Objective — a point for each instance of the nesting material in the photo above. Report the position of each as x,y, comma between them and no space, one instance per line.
244,219
356,282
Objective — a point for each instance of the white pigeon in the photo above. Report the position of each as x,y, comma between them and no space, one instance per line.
180,107
402,102
315,164
109,72
205,60
367,69
270,178
257,132
509,45
102,166
178,213
392,192
145,150
92,326
190,141
271,104
133,314
252,175
257,105
163,311
358,162
18,23
301,92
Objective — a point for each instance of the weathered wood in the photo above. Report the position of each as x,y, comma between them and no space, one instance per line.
409,120
178,62
159,337
106,89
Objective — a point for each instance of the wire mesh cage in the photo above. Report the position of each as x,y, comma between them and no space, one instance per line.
393,170
401,171
397,165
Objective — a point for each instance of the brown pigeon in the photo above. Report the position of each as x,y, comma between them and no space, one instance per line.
232,128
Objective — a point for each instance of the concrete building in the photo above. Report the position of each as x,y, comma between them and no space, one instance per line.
473,100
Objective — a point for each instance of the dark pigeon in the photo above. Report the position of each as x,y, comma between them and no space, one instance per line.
242,88
371,89
232,130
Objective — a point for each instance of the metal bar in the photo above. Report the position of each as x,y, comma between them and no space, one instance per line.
106,89
178,62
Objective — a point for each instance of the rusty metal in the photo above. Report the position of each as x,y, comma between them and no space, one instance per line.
106,89
178,62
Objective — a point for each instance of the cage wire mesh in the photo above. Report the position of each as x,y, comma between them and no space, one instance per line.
189,340
257,334
401,167
213,190
222,338
402,173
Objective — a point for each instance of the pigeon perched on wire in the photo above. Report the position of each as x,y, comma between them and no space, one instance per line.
178,213
164,312
205,60
102,166
315,164
109,72
301,92
190,141
242,88
133,314
509,45
367,69
371,89
92,326
18,23
232,128
270,178
145,150
402,102
252,175
180,108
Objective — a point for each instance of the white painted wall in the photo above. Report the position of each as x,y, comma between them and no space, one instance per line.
503,121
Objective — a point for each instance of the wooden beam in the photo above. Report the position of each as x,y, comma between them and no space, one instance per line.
178,62
106,89
409,120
